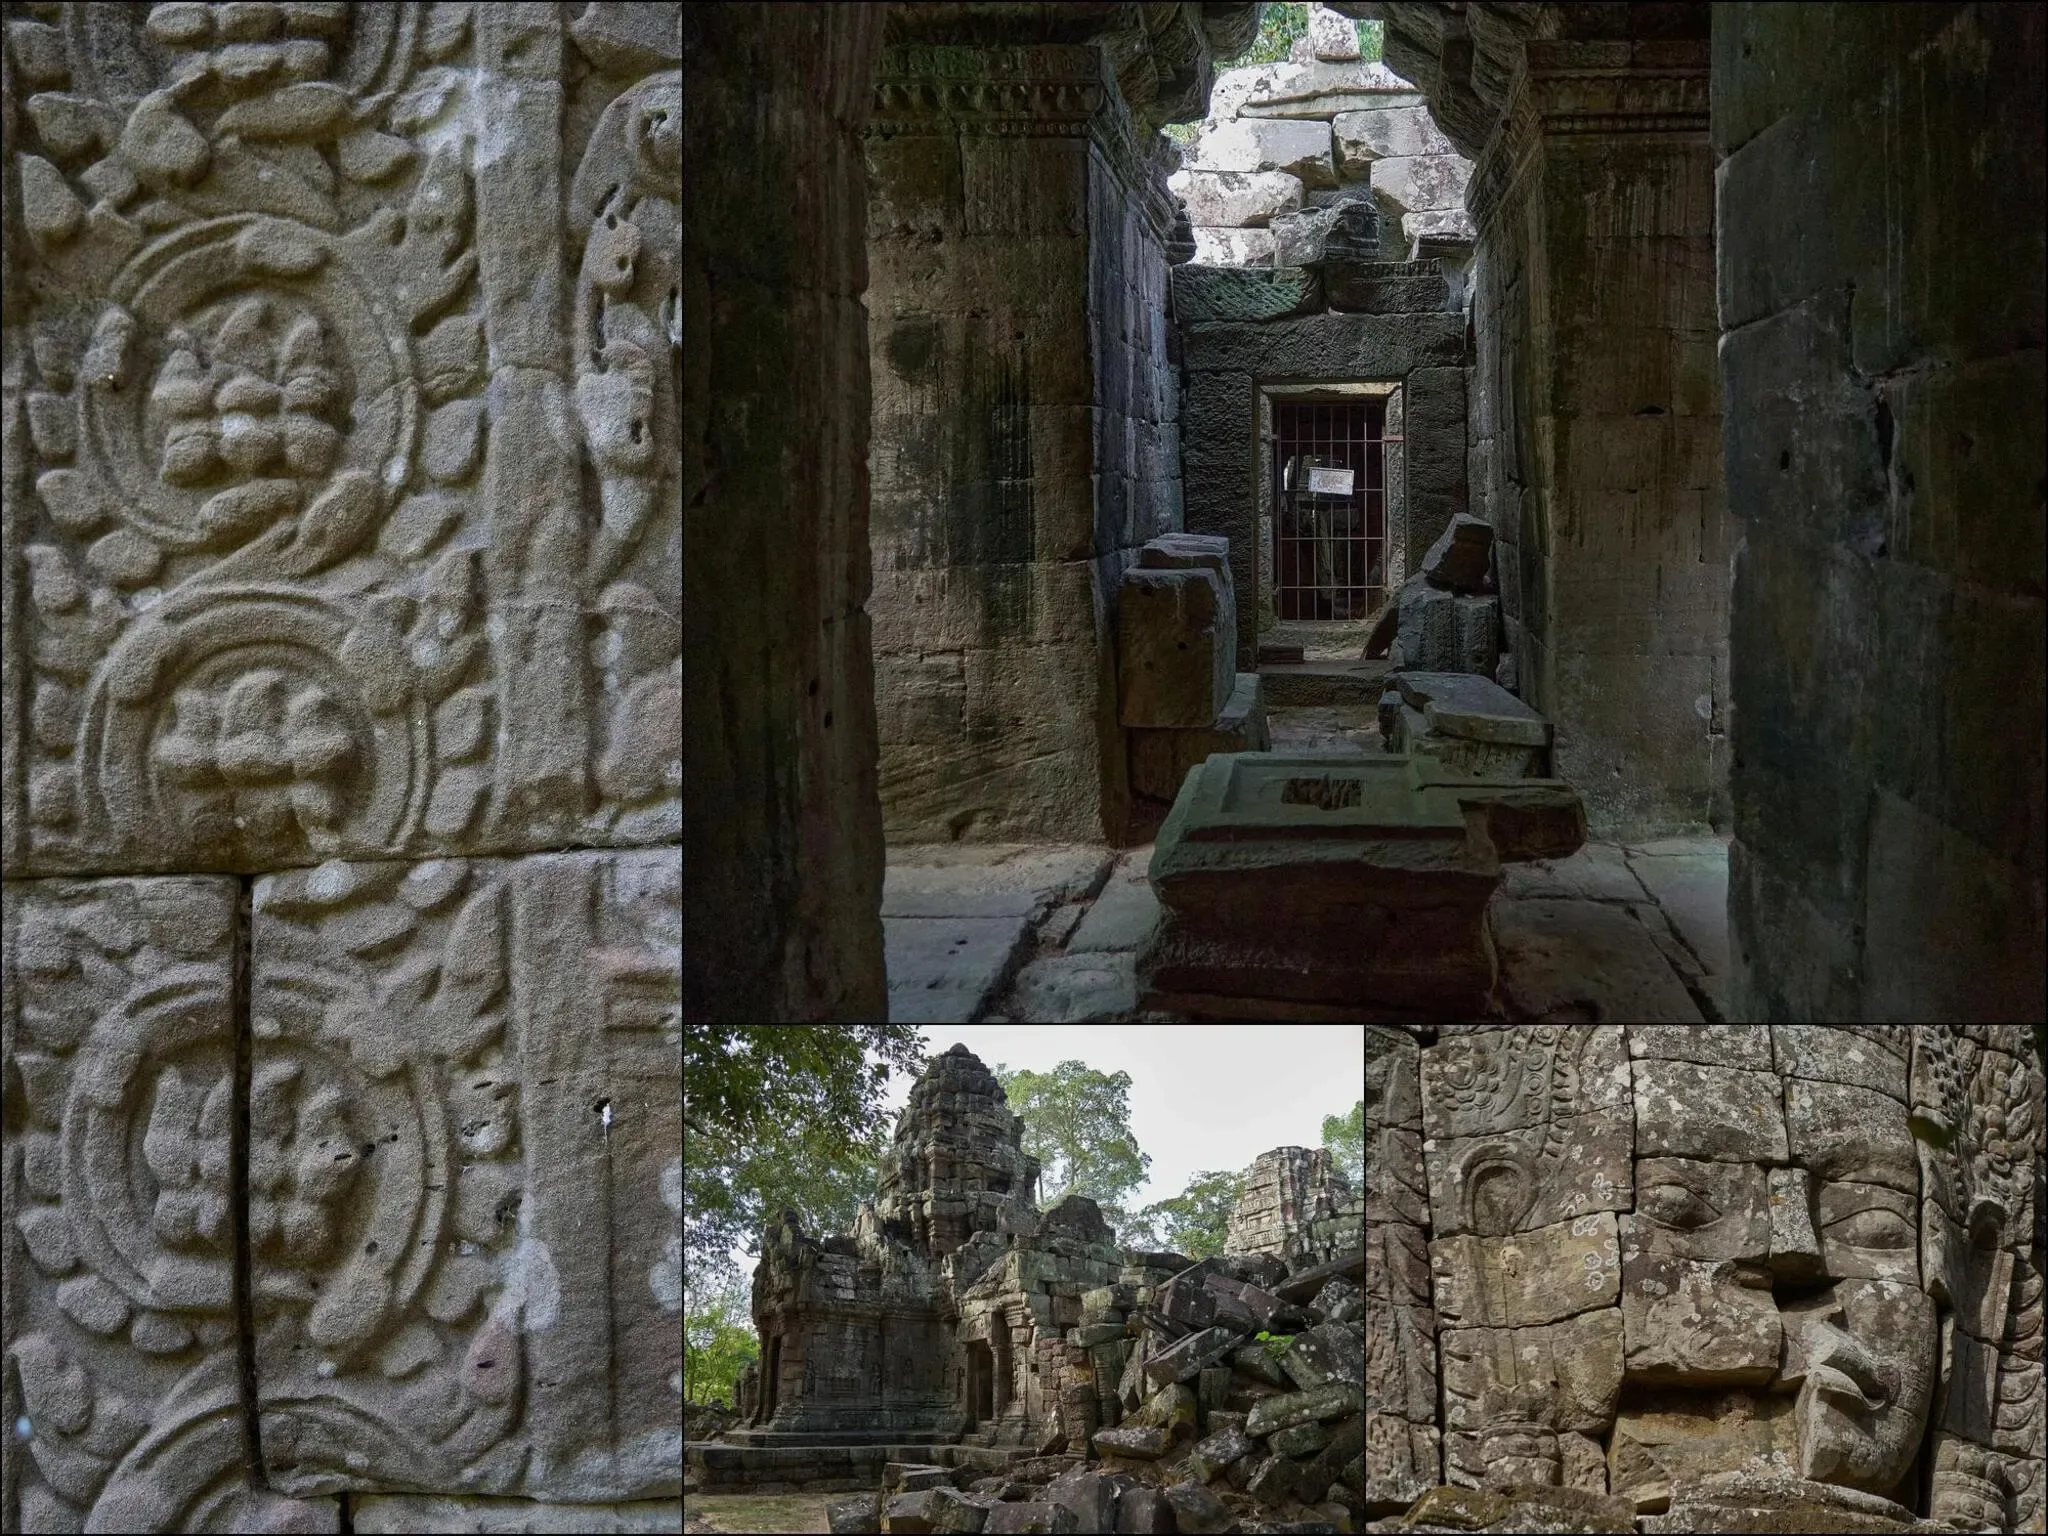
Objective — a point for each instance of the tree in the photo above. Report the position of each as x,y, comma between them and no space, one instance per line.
1279,26
1077,1123
1194,1221
780,1116
718,1341
1344,1135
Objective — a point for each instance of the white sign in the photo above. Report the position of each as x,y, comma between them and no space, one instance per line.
1329,482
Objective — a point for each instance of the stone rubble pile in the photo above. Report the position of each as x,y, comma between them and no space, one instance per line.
1285,144
1208,1428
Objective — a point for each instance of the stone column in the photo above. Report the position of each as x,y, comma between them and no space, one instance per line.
1599,397
784,837
1023,421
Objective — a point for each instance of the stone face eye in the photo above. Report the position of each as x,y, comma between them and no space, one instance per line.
1674,1205
1873,1228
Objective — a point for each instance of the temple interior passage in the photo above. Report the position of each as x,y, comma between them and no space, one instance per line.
1368,511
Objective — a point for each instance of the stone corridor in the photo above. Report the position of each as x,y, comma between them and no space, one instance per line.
1545,523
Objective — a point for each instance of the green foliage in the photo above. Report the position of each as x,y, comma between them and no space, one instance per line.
780,1117
1279,26
1192,1222
1182,134
718,1341
1372,41
1276,1343
1344,1135
1077,1123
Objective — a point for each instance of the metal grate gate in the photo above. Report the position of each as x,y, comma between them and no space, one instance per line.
1330,508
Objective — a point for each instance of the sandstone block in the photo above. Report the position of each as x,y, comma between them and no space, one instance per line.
860,1515
1088,1496
544,1151
1202,293
1333,37
1421,183
1571,1371
403,1514
1382,134
1712,1045
1234,199
1030,1517
1461,558
934,1511
1144,1443
1333,1401
1820,1054
1296,147
1185,1359
1428,633
1161,759
1693,1322
1502,1282
1223,247
1725,1113
1326,1353
1175,650
1197,1511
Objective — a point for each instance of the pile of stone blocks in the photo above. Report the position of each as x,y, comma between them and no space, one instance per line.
1180,695
1471,726
1446,617
1284,140
1339,890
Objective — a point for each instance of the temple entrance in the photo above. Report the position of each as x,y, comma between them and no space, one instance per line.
981,1383
771,1379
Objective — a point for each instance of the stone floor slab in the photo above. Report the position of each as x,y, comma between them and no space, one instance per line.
116,1203
1583,961
1075,989
1597,872
1126,912
949,970
466,1182
1692,888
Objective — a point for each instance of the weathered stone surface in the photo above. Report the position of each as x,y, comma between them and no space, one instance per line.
1176,647
1462,557
1196,1510
1145,1443
1819,1054
1513,1062
1726,1113
1162,759
1566,1375
1713,1045
1693,1322
1364,284
1420,183
1205,293
1030,1517
1332,1401
549,1124
1185,1359
933,1511
1849,1133
1385,133
1235,199
1299,148
1534,1277
860,1515
402,1514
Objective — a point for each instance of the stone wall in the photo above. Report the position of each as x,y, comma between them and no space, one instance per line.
1596,409
785,837
1320,128
1884,391
1025,428
1417,340
341,542
1296,1206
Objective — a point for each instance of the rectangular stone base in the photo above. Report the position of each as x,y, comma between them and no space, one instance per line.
1162,759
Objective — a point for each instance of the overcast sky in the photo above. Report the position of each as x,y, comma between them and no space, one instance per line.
1203,1096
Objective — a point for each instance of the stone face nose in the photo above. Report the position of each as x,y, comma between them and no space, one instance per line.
1795,1250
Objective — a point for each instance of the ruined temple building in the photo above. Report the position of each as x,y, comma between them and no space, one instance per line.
1511,512
962,1344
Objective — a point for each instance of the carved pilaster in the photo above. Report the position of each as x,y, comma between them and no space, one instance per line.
1589,88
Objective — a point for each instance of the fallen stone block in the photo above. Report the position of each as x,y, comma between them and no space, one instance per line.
1211,1455
1244,293
1256,1361
1089,1496
1031,1518
860,1515
1301,1440
913,1476
1326,1353
1197,1511
1339,1302
1143,1511
933,1512
1146,1444
1184,1360
1428,627
1290,1408
1461,559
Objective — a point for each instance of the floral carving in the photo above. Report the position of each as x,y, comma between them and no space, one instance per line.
276,754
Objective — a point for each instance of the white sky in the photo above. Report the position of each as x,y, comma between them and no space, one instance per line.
1202,1097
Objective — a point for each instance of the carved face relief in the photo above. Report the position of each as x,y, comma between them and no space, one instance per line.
1867,1368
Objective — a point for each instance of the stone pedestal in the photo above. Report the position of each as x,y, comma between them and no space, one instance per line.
1335,889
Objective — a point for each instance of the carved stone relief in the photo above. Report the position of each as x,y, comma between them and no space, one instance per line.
340,522
1794,1263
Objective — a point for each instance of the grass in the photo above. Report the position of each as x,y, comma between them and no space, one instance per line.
757,1512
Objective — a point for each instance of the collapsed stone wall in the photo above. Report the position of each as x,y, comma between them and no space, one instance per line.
1283,141
959,1338
340,699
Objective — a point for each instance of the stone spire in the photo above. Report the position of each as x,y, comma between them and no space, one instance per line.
1295,1205
957,1162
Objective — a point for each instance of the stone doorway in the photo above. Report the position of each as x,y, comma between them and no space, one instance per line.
981,1384
771,1379
1332,515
